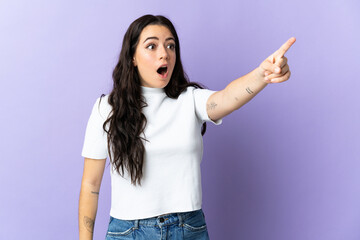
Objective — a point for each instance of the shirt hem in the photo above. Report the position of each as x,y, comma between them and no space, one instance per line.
151,215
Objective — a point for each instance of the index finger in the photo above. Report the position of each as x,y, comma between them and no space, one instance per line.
283,49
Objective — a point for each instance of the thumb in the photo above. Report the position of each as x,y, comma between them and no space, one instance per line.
269,65
272,59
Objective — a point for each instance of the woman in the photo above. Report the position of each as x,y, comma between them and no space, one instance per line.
151,126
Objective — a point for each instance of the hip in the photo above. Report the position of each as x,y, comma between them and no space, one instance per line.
174,226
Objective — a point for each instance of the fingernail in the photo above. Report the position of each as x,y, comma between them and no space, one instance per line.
277,70
266,78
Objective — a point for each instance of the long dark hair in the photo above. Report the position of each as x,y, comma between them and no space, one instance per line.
127,121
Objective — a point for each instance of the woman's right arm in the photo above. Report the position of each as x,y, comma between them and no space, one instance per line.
89,195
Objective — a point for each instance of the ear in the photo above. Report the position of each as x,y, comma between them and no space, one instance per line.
134,62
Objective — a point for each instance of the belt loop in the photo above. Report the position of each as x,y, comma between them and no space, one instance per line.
136,224
180,219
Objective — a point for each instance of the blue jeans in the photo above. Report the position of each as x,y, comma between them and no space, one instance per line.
173,226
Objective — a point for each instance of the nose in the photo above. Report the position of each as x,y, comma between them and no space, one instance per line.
163,53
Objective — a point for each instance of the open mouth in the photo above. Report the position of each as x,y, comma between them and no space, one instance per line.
162,71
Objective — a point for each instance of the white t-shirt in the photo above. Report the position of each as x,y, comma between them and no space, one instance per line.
171,172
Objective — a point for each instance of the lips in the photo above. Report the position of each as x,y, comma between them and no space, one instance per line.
163,70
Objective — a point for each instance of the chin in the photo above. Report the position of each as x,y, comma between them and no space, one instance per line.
157,83
162,85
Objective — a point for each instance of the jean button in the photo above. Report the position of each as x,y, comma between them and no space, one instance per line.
161,220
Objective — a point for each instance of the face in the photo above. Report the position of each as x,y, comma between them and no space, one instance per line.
155,56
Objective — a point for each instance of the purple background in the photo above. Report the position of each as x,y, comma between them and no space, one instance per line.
285,166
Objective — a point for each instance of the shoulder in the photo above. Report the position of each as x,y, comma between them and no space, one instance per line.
199,92
102,108
189,91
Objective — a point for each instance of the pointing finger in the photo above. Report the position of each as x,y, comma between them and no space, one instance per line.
283,49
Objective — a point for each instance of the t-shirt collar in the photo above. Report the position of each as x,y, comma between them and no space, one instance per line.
151,90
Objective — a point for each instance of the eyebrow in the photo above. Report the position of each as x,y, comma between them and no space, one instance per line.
169,38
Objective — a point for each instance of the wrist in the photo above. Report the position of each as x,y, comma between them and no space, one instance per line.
258,76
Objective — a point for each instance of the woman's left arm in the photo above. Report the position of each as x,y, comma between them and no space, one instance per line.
274,69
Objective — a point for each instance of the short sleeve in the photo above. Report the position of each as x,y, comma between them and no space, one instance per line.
95,142
200,98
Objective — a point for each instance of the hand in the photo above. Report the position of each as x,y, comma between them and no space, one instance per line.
275,68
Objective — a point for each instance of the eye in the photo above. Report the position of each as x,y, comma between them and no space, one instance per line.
151,46
171,46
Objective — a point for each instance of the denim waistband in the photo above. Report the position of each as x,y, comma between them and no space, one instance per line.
166,219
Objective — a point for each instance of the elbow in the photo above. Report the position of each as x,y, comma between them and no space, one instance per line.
91,184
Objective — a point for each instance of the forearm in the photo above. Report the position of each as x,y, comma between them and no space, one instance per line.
242,90
235,94
88,204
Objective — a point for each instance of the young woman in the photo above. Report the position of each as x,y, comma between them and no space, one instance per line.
151,126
